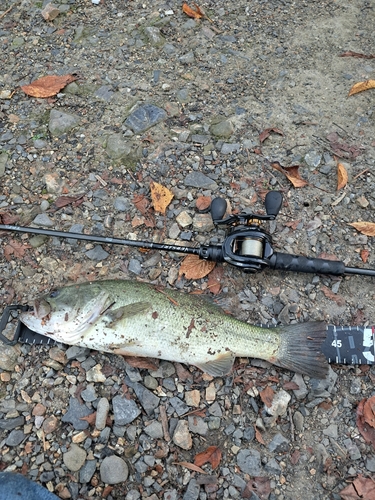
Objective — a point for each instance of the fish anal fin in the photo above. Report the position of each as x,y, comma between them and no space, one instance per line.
219,366
114,314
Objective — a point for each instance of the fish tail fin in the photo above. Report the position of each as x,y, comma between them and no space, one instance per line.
300,348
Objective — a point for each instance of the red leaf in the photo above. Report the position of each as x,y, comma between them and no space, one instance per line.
266,133
15,249
364,428
361,488
267,396
212,455
138,362
215,280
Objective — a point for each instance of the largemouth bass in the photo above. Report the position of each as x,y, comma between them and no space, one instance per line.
138,319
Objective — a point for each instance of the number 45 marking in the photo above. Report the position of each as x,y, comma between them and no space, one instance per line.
337,343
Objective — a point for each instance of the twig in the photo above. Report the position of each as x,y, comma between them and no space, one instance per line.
291,424
8,10
164,423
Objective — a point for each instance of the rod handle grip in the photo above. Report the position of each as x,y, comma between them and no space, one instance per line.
300,264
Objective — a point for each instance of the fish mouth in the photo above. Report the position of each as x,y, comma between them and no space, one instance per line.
41,308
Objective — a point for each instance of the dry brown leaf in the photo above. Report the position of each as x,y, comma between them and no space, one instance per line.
294,457
267,396
258,436
350,53
203,203
291,173
48,86
90,419
342,176
195,268
14,249
215,280
368,411
364,255
332,296
367,432
195,14
260,486
8,218
367,228
361,488
161,197
361,86
266,133
139,362
212,455
142,204
190,466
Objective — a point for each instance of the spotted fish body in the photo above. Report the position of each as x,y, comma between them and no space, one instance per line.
138,319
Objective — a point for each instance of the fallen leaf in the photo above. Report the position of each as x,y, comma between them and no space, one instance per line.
190,466
291,173
212,455
203,203
63,201
195,14
361,86
195,268
361,488
294,457
139,362
8,218
260,486
161,197
14,249
215,280
293,224
290,386
267,132
367,432
48,86
368,411
258,436
364,255
350,53
342,149
90,419
332,296
142,204
367,228
342,176
267,396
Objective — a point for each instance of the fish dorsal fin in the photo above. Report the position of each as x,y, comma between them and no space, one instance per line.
219,366
114,314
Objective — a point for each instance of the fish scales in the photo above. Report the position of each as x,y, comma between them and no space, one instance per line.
138,319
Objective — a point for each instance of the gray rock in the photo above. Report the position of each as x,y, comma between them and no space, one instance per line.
122,204
87,471
331,431
3,162
199,180
97,253
144,117
154,430
352,448
192,491
11,423
15,438
74,414
183,96
118,147
105,92
187,58
113,470
9,357
124,410
302,390
147,398
166,369
222,129
370,463
182,436
154,36
102,413
75,458
228,148
272,467
76,352
249,462
312,158
43,220
135,266
89,394
179,406
197,425
60,123
279,444
299,421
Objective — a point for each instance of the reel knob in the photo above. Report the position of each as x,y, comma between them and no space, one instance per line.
273,202
218,208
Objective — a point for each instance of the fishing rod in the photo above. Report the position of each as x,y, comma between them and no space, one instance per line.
247,244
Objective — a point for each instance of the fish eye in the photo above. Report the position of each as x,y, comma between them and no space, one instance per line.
54,294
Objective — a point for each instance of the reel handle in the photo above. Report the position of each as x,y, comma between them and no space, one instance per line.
218,208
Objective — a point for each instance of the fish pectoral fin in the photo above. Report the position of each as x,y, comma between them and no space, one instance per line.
219,366
114,314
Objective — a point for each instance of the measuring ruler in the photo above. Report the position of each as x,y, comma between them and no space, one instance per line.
346,345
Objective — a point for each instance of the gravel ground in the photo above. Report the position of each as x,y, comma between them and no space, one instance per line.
162,97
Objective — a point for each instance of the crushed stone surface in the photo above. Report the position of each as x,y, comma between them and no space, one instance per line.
161,97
